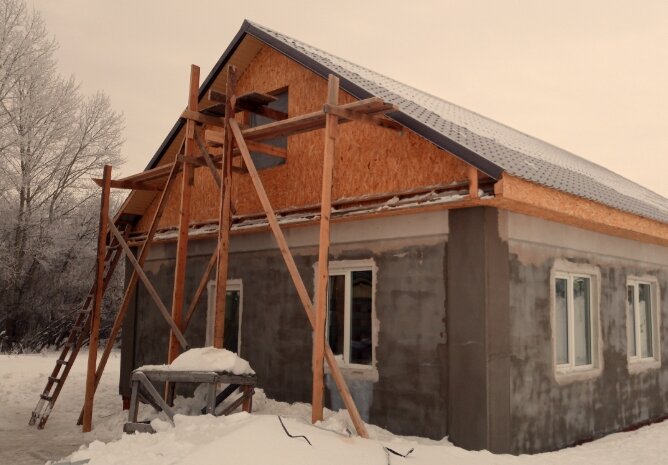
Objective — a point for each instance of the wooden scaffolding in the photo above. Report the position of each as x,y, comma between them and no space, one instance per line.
215,128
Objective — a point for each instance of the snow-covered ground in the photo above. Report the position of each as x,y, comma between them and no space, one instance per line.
22,379
245,439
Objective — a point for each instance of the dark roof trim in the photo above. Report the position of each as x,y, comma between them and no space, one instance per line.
467,155
202,91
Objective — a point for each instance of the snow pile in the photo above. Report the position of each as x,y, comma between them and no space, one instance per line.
241,438
206,359
22,379
260,438
238,439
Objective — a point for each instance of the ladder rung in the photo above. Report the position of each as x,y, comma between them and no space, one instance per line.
61,362
45,397
54,379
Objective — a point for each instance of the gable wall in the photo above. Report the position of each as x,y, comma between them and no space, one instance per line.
368,159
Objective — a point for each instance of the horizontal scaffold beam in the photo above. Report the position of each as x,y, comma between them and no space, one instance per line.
367,110
309,121
134,185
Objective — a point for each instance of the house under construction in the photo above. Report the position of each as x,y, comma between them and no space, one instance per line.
369,246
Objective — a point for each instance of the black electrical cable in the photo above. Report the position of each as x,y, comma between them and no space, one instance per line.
290,435
399,453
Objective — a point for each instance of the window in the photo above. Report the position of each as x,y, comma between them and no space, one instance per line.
575,319
262,160
642,320
350,295
233,307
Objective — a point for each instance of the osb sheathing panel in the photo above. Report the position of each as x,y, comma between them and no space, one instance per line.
368,160
533,199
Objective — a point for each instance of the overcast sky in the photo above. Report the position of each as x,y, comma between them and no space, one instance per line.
588,76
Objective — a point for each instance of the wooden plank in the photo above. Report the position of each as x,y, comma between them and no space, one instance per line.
323,253
217,139
200,289
208,160
287,127
218,109
150,289
473,182
148,175
362,117
255,98
225,215
184,219
254,102
214,138
268,112
196,162
297,280
309,121
133,185
131,286
94,339
267,149
202,118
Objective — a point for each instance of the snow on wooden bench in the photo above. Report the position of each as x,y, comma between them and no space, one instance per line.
206,365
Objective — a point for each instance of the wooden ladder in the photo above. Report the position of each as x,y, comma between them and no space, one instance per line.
76,338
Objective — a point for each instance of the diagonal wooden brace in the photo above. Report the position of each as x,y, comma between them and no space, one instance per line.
207,159
156,397
149,287
297,280
129,290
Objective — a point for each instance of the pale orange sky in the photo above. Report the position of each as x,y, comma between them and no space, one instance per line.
588,76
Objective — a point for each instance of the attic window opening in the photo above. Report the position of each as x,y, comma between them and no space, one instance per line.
261,160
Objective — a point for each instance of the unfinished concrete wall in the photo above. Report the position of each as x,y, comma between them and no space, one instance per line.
406,390
546,414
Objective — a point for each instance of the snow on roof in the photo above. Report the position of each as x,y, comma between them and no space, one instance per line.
504,148
490,146
206,359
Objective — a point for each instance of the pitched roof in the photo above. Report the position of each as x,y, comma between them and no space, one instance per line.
486,144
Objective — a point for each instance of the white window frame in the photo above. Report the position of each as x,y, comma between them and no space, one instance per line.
569,372
232,285
345,268
638,363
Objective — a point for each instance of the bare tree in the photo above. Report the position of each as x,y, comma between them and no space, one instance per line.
52,140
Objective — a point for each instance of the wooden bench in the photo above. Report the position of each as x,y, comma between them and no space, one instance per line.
142,386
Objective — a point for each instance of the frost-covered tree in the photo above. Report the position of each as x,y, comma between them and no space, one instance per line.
52,141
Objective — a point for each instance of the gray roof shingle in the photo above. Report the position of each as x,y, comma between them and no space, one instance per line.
486,144
503,147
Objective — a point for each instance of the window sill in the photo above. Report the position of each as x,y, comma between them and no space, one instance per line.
575,374
642,365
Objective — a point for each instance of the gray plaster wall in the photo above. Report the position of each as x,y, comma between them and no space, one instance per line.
546,414
478,327
406,392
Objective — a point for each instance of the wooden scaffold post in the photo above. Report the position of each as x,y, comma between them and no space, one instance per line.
97,300
331,129
296,279
225,216
187,180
